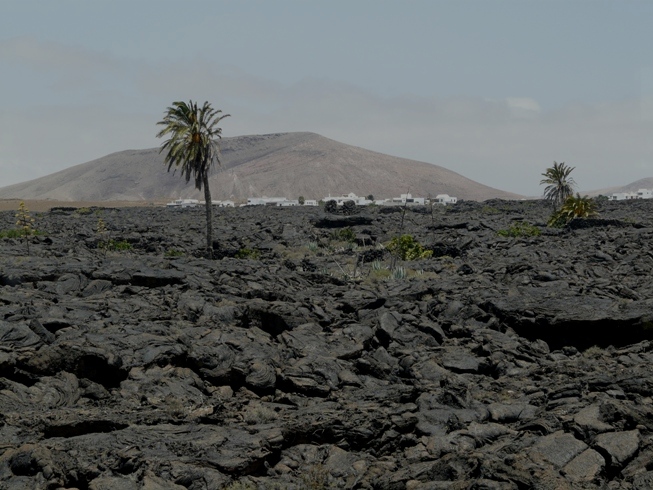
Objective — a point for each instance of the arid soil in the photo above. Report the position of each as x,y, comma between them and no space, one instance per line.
303,355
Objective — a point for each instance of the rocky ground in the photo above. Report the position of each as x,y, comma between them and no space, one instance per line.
303,357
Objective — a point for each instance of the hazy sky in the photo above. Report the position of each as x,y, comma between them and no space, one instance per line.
494,90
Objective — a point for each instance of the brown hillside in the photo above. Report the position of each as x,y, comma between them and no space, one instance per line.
286,164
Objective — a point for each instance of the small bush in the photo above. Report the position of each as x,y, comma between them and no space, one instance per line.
84,211
259,414
345,235
380,274
173,253
101,230
11,234
115,245
248,253
405,247
316,478
398,273
520,229
237,485
25,224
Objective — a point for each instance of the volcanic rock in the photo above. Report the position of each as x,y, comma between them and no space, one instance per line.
498,362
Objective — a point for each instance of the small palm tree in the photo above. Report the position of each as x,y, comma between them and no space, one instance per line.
193,146
575,207
559,186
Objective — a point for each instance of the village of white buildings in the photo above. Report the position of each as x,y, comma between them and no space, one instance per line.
402,200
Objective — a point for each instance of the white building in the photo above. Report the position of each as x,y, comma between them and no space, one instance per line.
183,203
359,201
265,201
223,204
408,199
445,199
310,202
624,196
273,201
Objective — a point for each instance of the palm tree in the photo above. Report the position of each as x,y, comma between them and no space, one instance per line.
193,146
559,186
574,207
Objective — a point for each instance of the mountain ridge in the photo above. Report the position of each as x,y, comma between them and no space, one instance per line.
276,164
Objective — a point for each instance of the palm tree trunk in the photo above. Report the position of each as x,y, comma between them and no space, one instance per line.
209,215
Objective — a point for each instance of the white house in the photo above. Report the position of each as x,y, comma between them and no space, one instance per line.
445,199
273,201
183,203
408,199
624,196
359,201
310,202
265,201
223,204
403,200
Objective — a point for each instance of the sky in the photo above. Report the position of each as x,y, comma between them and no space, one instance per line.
496,90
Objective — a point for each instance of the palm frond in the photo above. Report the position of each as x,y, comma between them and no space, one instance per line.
559,185
192,139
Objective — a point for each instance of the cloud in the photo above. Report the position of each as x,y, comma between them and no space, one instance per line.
523,107
91,104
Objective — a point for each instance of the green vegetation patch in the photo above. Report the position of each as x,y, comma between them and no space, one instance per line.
248,253
11,233
344,235
405,247
115,245
520,229
574,207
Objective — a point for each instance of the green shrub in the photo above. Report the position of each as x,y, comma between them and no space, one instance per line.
520,229
173,253
398,273
84,211
248,253
405,247
25,224
377,265
101,230
11,234
345,235
115,245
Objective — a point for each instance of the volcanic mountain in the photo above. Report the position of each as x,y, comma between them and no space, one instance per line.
285,165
